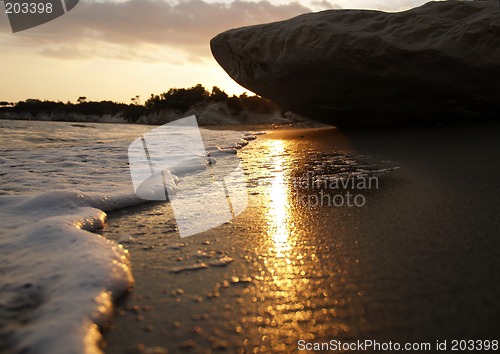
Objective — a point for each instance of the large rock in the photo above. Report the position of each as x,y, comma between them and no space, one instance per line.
437,62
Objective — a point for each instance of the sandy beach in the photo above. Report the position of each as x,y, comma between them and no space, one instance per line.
206,176
417,261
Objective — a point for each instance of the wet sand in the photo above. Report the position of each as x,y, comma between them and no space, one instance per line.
419,261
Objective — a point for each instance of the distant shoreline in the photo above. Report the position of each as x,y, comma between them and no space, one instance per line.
211,108
209,114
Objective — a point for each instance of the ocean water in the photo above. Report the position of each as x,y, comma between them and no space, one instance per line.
58,180
285,269
60,275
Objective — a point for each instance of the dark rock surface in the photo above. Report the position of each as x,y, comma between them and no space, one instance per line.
435,63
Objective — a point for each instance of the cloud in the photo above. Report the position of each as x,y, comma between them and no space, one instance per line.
387,5
128,29
323,5
157,30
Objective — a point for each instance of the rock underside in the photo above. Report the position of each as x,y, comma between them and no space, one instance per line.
435,63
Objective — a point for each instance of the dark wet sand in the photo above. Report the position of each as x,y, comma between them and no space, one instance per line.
419,262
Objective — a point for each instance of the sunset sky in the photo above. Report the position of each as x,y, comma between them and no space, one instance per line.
119,49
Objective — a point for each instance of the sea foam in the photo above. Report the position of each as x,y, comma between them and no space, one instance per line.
59,280
59,276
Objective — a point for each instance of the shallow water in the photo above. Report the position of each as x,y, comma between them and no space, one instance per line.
417,263
39,156
58,181
290,276
299,263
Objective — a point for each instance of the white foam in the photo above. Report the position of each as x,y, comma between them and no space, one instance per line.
58,276
72,275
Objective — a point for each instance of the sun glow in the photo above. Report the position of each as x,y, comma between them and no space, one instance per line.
279,213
